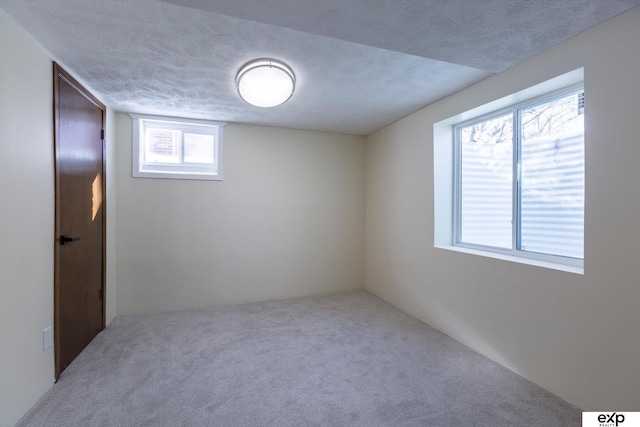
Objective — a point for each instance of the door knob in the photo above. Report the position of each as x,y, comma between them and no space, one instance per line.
67,239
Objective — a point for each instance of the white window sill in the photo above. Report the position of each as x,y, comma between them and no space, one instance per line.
517,259
177,175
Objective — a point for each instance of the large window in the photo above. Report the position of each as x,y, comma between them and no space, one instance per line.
165,147
519,180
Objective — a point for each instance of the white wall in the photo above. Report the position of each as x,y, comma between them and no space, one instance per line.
576,335
27,221
110,141
287,221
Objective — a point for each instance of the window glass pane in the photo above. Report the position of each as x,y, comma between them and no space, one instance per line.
486,177
161,145
198,148
552,180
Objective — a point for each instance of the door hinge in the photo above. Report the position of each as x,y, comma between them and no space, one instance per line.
102,134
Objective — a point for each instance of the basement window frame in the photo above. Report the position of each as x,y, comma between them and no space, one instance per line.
446,170
180,169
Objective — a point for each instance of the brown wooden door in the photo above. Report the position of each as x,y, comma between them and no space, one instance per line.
80,218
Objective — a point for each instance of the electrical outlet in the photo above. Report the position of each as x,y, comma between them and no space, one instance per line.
47,338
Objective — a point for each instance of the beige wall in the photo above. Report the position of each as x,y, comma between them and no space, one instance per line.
287,221
110,135
27,221
576,335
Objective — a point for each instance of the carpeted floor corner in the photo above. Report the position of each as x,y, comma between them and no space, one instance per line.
343,360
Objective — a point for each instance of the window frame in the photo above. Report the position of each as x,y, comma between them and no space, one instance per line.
514,110
182,170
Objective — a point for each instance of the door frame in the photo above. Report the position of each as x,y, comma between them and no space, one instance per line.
61,74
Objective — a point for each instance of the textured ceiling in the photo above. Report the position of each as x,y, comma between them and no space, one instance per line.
486,34
360,64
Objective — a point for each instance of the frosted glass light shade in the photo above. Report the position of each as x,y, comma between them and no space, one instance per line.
265,82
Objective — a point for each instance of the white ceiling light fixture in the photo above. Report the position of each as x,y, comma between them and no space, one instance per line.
265,82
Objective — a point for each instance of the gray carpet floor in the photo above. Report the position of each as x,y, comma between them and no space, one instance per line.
343,360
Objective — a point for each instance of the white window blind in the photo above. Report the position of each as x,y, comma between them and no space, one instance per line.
486,182
552,178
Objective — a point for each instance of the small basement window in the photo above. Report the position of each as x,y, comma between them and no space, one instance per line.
168,147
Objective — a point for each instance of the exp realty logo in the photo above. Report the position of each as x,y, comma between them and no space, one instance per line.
611,419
